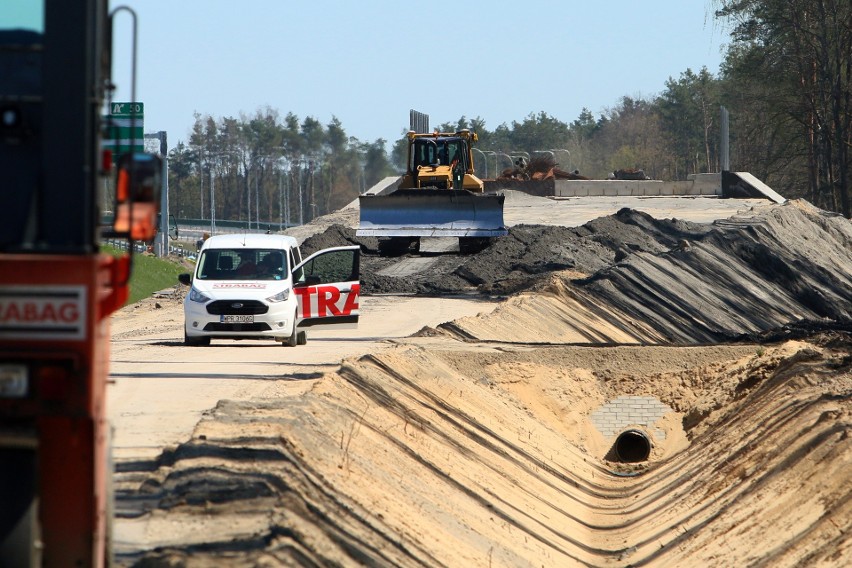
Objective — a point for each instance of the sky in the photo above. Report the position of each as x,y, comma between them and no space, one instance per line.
369,62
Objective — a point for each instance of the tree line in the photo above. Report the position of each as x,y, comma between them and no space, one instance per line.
268,169
786,81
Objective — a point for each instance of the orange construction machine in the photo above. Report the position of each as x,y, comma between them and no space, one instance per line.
439,195
57,289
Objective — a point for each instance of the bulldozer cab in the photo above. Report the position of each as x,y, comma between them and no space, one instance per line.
424,153
441,151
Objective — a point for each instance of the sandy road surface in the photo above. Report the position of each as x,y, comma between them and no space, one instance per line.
160,388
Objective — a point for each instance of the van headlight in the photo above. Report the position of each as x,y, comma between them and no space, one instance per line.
279,297
196,296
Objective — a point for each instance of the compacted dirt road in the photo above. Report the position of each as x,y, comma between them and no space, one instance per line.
472,420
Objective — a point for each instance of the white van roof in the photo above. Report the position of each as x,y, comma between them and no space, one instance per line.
251,241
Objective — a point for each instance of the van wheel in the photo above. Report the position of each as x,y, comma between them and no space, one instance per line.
302,337
195,341
293,340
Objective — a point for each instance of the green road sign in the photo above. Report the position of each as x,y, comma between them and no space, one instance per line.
124,128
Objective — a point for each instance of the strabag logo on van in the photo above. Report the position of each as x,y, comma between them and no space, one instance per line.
43,312
240,285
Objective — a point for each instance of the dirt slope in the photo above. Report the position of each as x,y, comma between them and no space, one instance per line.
434,455
475,444
781,271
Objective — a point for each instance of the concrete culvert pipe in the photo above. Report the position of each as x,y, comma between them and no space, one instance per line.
632,446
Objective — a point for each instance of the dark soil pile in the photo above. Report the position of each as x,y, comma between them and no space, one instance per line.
733,279
517,261
786,265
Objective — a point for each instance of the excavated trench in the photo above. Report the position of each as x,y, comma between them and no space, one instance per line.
649,393
439,456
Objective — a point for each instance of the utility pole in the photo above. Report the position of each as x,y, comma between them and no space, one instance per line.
257,201
312,202
248,197
161,242
301,204
212,201
201,181
287,191
256,204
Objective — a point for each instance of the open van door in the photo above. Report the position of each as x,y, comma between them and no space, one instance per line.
327,287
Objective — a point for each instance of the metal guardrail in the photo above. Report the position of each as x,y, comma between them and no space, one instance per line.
180,249
122,244
187,248
106,220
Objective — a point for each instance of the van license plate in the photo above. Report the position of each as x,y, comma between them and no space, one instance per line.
238,319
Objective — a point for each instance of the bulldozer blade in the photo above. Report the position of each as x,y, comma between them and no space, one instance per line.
432,213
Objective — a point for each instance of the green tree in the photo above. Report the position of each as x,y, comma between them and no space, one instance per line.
183,183
798,54
342,175
399,152
537,132
264,138
631,137
688,109
581,155
377,166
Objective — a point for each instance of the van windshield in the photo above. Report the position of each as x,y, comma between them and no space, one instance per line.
242,264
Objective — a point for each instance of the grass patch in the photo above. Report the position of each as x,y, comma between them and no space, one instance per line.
150,274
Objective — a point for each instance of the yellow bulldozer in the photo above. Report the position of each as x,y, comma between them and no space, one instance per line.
441,160
439,195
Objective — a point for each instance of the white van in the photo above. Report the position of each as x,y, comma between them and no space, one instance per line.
258,287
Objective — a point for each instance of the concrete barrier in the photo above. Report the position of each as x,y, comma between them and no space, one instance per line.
740,184
700,184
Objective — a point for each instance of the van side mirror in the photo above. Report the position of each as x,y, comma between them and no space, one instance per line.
137,195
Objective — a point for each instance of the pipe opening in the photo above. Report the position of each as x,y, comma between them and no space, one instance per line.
632,446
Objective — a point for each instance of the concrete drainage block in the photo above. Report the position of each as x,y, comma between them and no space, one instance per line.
629,422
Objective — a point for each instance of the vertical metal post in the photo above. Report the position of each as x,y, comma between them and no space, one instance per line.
161,242
248,196
287,198
301,204
256,201
212,201
312,202
724,148
201,181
